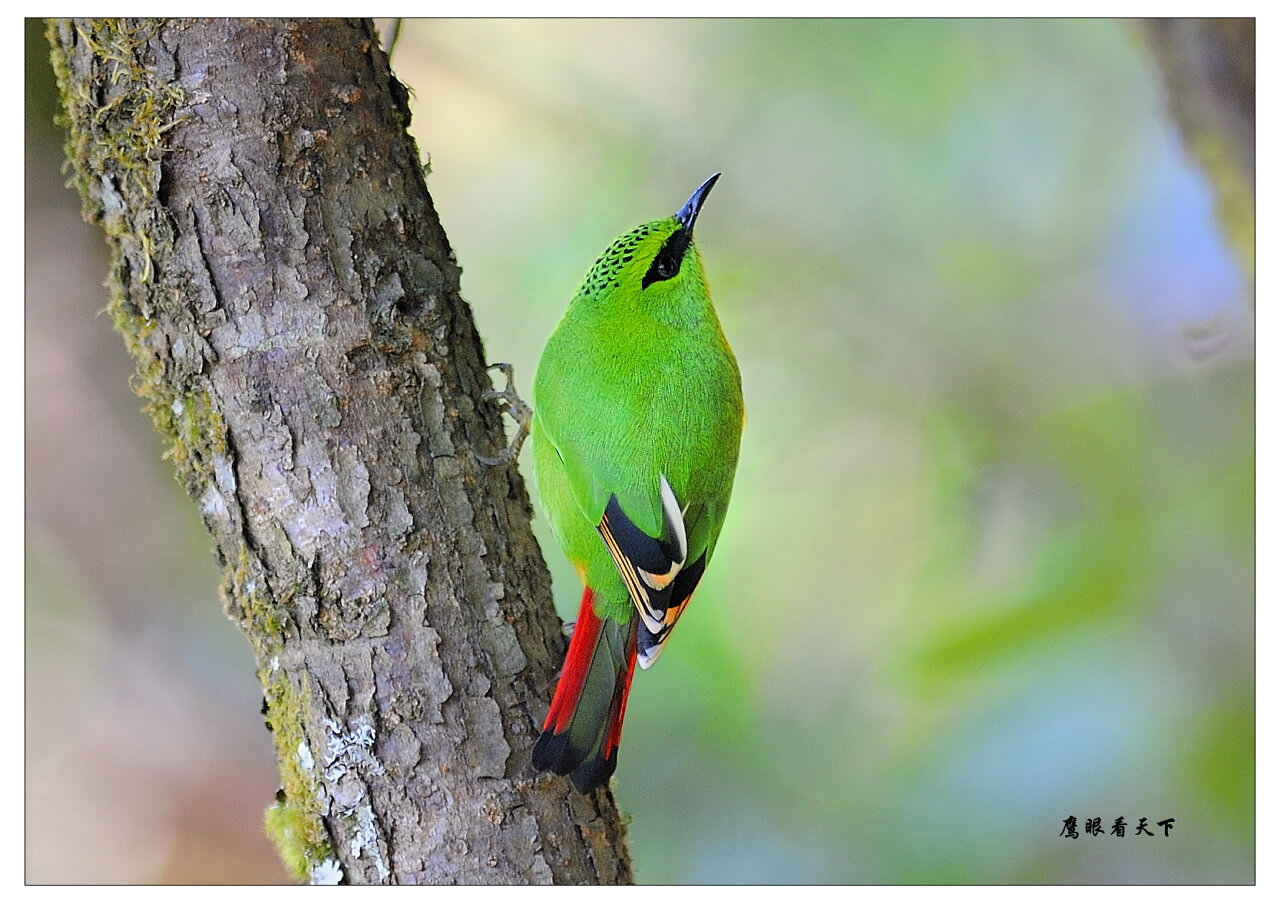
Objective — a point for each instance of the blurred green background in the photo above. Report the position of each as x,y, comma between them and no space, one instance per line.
990,560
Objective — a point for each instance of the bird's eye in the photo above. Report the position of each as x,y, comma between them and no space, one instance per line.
666,263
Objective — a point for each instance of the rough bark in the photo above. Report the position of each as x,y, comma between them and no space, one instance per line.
281,277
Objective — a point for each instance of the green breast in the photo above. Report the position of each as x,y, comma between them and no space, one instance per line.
619,401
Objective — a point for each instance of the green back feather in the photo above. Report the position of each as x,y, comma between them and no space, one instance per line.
636,381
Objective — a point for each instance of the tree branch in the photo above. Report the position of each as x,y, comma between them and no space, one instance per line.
283,282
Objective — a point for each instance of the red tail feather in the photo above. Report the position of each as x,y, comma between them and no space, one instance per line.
586,633
584,726
613,737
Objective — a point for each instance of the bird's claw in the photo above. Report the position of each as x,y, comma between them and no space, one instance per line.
516,408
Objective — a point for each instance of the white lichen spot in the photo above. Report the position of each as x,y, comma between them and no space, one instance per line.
274,663
326,873
224,473
177,407
212,505
366,839
350,749
112,202
305,760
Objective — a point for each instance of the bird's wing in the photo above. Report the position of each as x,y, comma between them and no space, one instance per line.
657,571
658,541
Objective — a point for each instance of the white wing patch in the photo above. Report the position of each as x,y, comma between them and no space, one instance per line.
649,566
673,518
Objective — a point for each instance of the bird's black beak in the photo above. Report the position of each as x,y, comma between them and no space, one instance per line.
688,214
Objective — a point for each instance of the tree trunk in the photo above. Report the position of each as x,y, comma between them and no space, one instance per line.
282,279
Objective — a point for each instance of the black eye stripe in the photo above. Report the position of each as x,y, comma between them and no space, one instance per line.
667,263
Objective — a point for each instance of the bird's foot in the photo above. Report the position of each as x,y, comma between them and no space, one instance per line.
516,408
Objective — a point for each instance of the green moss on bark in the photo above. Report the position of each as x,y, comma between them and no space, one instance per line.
295,821
116,121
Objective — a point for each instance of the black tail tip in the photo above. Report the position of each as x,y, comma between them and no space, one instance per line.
594,773
553,753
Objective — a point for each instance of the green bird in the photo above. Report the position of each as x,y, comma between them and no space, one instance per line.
637,419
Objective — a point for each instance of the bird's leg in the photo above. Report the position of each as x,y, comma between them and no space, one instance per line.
519,411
